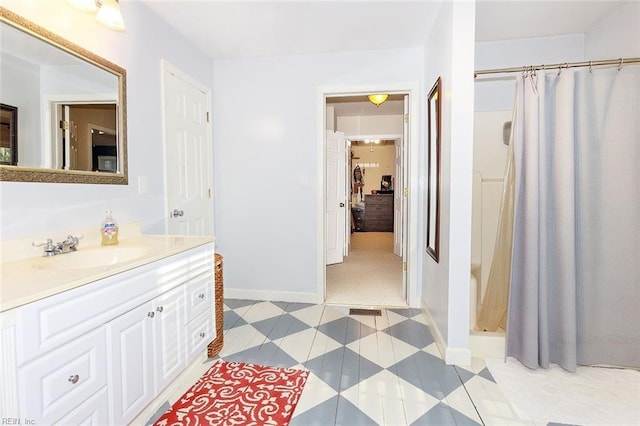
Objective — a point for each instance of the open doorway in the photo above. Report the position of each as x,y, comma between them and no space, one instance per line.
370,270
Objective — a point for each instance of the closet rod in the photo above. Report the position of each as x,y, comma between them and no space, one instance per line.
619,62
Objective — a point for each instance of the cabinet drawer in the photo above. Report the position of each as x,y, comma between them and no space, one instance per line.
199,333
57,383
199,296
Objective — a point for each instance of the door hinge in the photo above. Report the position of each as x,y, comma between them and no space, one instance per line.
208,117
406,118
209,192
64,125
406,192
404,266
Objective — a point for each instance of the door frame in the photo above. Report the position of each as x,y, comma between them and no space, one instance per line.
410,161
168,67
398,139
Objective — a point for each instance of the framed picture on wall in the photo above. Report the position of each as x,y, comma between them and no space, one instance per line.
434,112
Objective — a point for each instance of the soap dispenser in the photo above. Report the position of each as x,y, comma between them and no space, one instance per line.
109,230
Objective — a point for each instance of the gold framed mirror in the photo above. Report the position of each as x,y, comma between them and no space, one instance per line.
434,168
70,106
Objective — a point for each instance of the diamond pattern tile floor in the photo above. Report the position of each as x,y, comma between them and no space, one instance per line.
365,370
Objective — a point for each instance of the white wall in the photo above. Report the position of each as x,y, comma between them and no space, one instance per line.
265,132
489,163
20,87
612,37
33,208
615,36
366,125
449,53
497,91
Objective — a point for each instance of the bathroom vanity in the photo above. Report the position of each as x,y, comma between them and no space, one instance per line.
93,337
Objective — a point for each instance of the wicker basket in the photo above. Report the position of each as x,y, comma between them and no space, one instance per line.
215,346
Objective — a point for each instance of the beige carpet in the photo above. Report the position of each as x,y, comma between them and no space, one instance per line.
370,276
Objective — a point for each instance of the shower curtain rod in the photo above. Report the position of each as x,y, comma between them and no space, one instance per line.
620,62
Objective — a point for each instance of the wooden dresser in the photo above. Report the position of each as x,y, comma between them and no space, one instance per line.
378,213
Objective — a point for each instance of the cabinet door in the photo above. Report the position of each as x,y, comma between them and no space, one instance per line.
169,336
130,345
57,383
93,412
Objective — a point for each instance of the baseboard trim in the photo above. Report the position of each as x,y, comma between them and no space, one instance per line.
450,355
270,296
458,356
435,331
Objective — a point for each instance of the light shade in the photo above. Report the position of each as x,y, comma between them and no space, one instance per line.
109,15
84,5
378,98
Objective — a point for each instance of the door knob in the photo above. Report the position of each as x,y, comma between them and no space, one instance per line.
176,213
341,204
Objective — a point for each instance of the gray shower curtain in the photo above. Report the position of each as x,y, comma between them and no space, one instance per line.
575,273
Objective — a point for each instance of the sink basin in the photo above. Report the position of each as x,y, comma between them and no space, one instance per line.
96,257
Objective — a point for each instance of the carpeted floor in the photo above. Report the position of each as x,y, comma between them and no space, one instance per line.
370,276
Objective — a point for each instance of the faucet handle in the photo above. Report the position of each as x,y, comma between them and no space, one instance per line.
73,239
48,242
49,247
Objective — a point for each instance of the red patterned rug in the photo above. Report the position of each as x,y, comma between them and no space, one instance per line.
235,393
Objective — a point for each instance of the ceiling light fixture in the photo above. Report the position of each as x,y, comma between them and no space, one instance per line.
378,98
109,14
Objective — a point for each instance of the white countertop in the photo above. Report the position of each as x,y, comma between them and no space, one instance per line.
29,279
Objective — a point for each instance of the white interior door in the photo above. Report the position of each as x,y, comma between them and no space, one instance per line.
336,200
188,155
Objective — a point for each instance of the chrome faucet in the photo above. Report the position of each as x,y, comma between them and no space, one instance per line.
50,249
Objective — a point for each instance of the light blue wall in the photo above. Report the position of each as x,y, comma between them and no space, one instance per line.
34,208
265,135
449,54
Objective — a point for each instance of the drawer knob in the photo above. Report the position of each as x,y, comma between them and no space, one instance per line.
74,379
202,334
201,295
151,314
160,308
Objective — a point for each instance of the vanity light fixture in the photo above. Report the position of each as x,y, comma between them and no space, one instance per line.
378,98
109,14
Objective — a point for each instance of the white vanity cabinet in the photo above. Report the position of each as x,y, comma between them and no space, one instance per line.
200,327
100,353
66,380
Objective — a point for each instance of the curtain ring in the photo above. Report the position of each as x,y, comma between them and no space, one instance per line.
620,64
590,67
559,69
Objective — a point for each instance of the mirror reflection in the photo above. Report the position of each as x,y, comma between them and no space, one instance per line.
71,108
